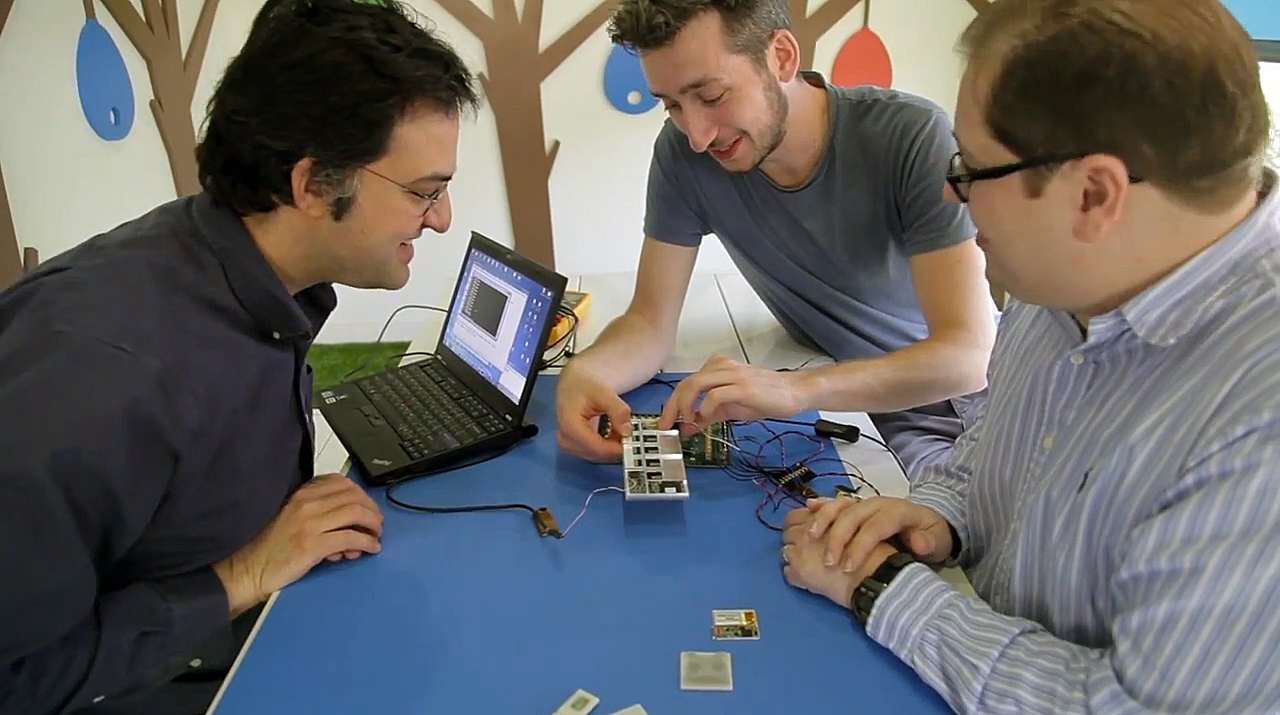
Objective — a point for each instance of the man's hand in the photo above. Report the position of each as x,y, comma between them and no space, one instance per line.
804,558
581,399
852,529
329,517
731,390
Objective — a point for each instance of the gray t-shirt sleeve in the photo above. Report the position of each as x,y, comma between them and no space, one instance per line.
671,215
929,220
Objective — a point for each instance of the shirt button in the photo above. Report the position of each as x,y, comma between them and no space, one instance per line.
99,699
1047,442
196,663
275,336
1076,358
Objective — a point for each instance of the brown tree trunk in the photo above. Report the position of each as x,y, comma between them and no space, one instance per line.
156,36
799,27
522,142
172,93
809,28
10,253
513,88
171,108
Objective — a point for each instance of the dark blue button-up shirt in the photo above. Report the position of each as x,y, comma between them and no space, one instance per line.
154,417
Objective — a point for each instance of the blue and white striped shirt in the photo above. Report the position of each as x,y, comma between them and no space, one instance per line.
1118,502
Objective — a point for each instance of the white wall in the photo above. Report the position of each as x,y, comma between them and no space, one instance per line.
1271,87
66,184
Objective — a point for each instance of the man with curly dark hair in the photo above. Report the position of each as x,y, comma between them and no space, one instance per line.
155,398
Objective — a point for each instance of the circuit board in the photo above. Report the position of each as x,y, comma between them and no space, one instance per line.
653,465
708,448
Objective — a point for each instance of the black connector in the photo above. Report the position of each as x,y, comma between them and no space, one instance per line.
837,430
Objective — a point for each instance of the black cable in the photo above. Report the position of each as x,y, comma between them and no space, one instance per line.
888,449
440,470
785,422
542,518
801,366
565,342
405,307
659,381
852,428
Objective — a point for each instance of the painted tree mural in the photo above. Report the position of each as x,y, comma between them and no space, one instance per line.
10,254
512,86
810,27
156,36
102,80
863,59
625,85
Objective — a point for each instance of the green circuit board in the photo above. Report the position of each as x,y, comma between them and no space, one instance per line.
699,451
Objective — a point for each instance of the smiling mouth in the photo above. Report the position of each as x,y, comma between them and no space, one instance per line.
726,151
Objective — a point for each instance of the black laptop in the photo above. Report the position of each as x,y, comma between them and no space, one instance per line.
469,397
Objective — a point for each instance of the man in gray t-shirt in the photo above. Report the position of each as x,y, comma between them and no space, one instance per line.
831,203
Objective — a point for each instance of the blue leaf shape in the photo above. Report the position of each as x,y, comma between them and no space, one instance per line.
624,83
102,79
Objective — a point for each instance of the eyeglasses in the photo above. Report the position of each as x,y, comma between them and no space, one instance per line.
960,176
428,200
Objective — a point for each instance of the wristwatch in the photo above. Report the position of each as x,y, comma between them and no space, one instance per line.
866,593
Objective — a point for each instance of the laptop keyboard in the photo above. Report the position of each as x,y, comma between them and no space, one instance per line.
429,408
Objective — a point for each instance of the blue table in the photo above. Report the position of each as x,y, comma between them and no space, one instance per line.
475,614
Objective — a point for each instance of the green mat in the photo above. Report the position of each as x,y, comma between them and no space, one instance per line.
334,363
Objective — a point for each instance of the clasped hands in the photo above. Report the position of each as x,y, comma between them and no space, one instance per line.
830,545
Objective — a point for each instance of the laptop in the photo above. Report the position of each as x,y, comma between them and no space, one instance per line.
470,396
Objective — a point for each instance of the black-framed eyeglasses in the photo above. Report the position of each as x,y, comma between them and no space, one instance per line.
428,200
959,175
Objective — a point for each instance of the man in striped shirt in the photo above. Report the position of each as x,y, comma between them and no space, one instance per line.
1117,504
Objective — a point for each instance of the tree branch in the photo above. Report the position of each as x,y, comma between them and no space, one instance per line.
5,7
132,25
551,156
171,21
471,17
10,250
154,14
979,5
531,18
199,43
505,13
799,10
825,17
557,52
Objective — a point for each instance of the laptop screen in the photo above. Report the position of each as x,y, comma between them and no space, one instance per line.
496,322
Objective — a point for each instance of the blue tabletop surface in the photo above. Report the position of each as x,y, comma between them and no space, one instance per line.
472,614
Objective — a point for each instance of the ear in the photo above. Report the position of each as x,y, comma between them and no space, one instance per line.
305,197
1103,188
784,56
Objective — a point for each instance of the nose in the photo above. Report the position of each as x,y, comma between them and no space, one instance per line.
700,130
440,216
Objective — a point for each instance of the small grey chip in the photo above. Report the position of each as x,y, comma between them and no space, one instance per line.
705,671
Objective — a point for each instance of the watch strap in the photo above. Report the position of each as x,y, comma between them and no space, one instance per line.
866,592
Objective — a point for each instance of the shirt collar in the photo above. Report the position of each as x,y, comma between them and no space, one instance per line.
255,284
1177,303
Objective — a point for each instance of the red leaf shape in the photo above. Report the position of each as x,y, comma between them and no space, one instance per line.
863,60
